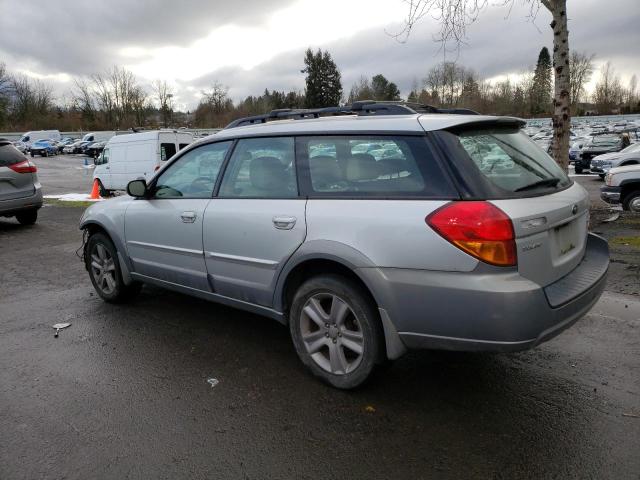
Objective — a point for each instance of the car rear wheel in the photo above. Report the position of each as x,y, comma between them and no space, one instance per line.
105,273
335,330
578,169
27,218
632,201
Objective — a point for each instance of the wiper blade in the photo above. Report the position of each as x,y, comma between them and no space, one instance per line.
547,182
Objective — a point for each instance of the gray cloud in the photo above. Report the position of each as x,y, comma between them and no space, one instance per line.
82,39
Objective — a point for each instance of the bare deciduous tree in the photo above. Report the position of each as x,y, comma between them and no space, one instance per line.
456,15
164,95
581,69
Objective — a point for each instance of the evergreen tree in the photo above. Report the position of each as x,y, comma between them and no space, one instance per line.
324,87
383,89
542,84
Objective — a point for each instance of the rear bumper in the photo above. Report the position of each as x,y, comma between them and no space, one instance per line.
610,195
8,208
487,311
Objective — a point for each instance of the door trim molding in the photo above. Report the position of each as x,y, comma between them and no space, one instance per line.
166,248
246,260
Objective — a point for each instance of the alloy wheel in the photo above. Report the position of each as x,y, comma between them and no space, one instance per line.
331,333
103,269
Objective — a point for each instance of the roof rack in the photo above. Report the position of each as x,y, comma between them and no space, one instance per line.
361,108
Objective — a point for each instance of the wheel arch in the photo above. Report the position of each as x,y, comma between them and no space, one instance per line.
95,226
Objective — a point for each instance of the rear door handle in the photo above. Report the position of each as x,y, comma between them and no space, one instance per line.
188,217
284,222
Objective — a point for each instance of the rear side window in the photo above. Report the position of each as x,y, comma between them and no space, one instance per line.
393,166
261,168
182,145
9,155
508,161
167,150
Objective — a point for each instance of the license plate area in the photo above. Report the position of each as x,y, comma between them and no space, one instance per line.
565,239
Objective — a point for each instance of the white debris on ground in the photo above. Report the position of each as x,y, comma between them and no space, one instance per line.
74,197
213,382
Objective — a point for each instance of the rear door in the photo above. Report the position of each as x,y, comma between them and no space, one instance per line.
549,212
13,184
256,222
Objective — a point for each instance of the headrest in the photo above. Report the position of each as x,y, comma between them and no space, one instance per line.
362,167
324,169
268,173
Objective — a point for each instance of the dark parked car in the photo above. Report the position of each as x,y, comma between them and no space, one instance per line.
597,146
44,148
20,193
94,150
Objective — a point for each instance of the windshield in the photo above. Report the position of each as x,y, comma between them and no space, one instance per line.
510,161
605,141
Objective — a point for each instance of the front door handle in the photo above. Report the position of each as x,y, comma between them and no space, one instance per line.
283,222
188,217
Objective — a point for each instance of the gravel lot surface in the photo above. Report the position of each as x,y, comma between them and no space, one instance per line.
126,391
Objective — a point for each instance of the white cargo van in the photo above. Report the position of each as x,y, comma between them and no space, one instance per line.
29,137
137,155
98,136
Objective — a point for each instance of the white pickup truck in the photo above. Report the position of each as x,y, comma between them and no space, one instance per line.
622,186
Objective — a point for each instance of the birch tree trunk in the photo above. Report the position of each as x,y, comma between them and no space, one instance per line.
561,101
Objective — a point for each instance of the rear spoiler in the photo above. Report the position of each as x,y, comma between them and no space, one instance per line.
500,122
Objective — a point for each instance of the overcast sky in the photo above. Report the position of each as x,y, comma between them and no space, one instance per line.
250,45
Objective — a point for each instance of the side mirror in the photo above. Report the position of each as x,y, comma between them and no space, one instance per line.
137,188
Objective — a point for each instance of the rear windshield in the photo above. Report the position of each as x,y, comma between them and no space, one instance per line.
9,155
509,162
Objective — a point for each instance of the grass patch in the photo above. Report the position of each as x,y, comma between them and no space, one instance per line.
67,203
626,241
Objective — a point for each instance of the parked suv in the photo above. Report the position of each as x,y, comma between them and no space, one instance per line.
20,193
622,186
605,162
467,237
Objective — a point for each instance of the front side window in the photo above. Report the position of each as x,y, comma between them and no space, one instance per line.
194,174
261,168
368,166
103,158
509,163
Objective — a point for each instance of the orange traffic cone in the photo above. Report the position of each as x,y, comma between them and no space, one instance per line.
95,191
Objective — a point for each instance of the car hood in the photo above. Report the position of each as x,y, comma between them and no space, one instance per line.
626,169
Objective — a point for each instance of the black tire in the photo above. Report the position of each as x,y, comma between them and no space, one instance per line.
361,320
45,153
578,169
117,292
32,155
601,175
630,197
27,217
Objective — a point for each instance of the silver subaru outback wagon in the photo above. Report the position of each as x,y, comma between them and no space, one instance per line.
367,230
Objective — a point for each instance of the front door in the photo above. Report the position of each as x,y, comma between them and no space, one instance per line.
164,231
256,222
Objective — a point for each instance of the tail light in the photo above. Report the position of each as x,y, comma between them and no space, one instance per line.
479,228
24,167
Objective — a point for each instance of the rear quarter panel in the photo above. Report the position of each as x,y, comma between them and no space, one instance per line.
390,233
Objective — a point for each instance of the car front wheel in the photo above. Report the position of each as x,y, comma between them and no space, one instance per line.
632,202
335,330
104,271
